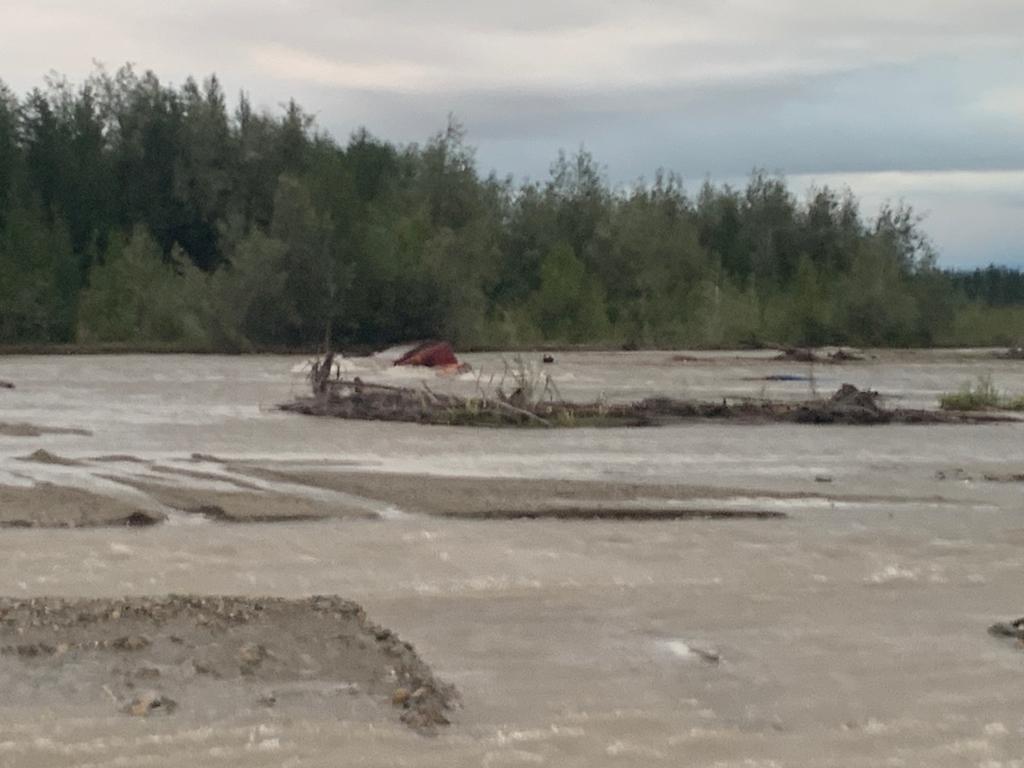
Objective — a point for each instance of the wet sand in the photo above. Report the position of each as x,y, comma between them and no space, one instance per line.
22,429
234,494
241,505
51,506
511,498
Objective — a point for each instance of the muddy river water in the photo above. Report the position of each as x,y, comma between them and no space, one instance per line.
851,633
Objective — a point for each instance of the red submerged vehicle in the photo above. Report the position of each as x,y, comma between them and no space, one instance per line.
431,354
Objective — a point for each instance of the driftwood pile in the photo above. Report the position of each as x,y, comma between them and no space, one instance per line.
356,399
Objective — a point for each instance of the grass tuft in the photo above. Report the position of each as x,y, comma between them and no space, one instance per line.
982,395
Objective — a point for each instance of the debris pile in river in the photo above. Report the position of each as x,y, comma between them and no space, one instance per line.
357,399
848,405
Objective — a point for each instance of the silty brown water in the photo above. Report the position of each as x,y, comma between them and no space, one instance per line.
852,633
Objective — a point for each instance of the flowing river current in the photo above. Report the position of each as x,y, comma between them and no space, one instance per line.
850,633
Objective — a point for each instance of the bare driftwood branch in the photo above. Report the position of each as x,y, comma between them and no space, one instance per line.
522,412
430,393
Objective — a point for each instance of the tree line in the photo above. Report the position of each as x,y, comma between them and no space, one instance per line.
136,213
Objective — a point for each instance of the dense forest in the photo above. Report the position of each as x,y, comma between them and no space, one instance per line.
139,214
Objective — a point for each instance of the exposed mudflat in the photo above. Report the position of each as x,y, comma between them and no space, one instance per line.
148,493
43,456
151,656
242,505
45,505
493,498
21,429
635,514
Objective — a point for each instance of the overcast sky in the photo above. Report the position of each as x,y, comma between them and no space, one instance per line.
919,99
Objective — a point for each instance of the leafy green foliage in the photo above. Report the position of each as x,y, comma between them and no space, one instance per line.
134,212
247,292
137,296
38,278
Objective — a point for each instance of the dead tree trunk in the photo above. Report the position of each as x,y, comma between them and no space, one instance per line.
321,374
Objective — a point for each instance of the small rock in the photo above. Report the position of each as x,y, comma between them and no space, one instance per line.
401,696
707,655
425,717
419,695
250,656
151,702
131,643
139,519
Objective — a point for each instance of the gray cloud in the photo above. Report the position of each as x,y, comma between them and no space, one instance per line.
892,117
700,86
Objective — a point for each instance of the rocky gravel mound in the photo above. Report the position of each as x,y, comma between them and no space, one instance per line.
150,656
